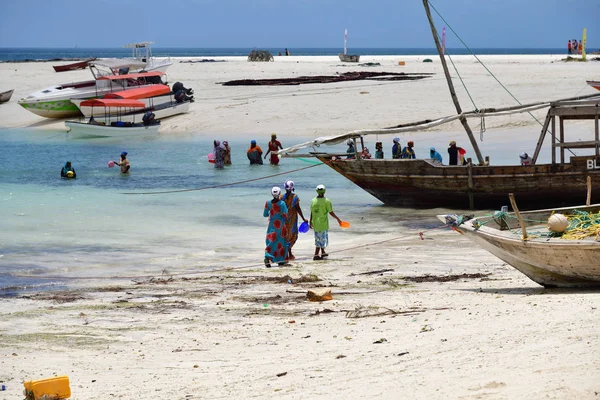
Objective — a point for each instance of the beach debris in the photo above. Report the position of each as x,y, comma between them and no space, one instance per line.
319,295
340,356
291,321
402,354
260,55
363,312
318,312
426,328
444,278
428,60
281,374
346,76
370,64
382,340
376,272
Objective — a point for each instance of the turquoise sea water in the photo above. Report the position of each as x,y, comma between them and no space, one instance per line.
59,233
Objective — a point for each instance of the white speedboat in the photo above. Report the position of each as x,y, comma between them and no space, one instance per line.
115,126
157,98
55,101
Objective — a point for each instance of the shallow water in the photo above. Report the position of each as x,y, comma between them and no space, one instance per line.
58,233
62,233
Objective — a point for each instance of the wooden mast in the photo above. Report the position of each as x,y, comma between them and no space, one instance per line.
463,120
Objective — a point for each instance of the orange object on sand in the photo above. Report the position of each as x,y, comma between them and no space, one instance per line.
55,388
401,63
345,224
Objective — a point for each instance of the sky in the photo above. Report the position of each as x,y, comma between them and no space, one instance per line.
295,23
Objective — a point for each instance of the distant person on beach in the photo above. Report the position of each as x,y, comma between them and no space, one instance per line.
292,202
219,153
574,46
68,171
569,48
580,47
287,52
350,150
408,152
396,148
320,209
379,150
435,155
227,155
124,163
276,245
525,159
254,153
456,155
279,54
365,154
273,145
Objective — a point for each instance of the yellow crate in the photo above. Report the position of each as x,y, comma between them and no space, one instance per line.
55,388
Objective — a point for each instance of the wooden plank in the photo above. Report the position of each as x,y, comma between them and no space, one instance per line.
540,141
513,203
589,144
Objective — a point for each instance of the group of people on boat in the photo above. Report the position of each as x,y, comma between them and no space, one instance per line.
456,154
282,232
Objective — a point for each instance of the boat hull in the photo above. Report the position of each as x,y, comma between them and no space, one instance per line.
349,57
72,66
161,106
550,262
80,129
5,96
594,84
428,184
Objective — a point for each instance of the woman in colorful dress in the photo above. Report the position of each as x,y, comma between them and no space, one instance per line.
292,201
276,211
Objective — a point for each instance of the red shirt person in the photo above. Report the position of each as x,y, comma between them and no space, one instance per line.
273,146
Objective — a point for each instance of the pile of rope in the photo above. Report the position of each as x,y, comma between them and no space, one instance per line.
582,224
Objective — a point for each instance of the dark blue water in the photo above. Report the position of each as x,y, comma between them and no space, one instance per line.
14,54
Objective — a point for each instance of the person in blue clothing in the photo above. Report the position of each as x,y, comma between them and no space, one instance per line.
435,155
351,152
408,151
396,148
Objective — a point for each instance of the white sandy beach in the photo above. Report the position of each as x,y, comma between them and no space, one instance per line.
479,330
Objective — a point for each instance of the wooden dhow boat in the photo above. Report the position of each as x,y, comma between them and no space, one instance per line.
348,57
523,240
426,183
73,66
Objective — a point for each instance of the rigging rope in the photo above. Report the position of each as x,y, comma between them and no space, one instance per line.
488,70
227,184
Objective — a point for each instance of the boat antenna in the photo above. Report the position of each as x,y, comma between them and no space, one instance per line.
462,119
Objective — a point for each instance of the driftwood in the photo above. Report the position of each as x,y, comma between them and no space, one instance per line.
363,312
346,76
378,271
